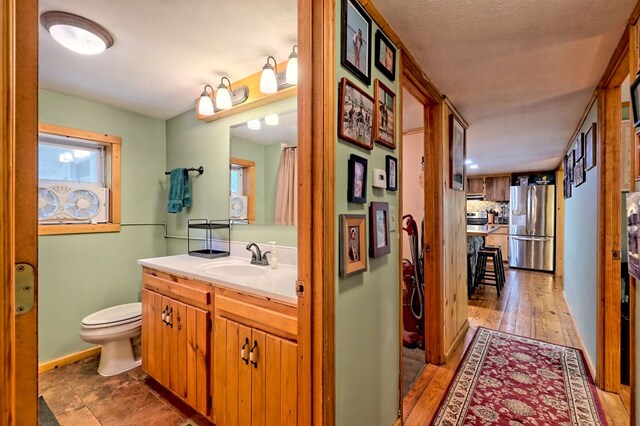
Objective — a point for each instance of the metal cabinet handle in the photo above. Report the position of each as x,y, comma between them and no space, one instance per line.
164,314
253,354
179,322
243,353
169,321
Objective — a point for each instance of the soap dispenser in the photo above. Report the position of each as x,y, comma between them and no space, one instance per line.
273,259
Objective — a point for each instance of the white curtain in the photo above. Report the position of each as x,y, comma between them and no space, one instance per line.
287,193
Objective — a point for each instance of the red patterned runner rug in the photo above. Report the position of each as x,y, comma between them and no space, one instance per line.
505,379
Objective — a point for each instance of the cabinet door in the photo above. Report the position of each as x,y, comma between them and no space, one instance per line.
195,325
491,193
153,332
505,188
476,186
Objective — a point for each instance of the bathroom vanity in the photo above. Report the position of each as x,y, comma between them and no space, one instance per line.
222,336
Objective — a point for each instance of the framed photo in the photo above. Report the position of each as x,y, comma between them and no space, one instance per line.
457,152
635,99
579,146
570,160
579,173
379,242
353,243
633,233
392,173
385,56
357,186
355,113
591,147
384,131
637,28
636,152
356,40
567,188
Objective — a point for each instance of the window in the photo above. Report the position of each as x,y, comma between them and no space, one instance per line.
79,180
242,182
236,183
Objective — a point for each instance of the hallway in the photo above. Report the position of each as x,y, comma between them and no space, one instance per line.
532,305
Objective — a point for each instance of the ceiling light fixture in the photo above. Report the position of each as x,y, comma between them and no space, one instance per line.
254,124
205,104
271,119
291,75
269,78
467,162
76,33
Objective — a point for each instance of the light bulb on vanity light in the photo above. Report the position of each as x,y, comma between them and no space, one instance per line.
271,119
292,67
205,104
268,78
223,95
254,124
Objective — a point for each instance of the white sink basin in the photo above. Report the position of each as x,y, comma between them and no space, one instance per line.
236,270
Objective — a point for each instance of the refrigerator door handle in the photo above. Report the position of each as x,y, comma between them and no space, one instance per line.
531,238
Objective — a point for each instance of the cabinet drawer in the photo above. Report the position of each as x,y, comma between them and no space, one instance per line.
272,317
182,289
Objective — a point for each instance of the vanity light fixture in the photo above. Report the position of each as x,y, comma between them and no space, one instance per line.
254,124
269,78
205,104
271,119
225,97
76,33
292,67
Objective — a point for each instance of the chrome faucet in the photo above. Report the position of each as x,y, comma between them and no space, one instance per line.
257,257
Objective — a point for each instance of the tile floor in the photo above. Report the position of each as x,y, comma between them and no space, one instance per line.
78,395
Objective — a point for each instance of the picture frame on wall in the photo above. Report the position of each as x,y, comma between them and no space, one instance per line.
635,99
579,146
353,243
384,130
457,152
633,233
579,173
385,55
392,172
356,40
591,147
357,183
568,168
355,115
567,187
379,241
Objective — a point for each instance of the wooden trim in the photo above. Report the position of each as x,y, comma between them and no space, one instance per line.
69,359
618,67
78,229
633,172
79,134
455,112
115,183
7,202
412,131
256,97
398,421
633,19
560,221
458,340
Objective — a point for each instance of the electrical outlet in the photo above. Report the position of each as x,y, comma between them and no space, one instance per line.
393,219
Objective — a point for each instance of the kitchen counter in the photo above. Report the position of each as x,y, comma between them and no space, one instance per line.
482,230
232,272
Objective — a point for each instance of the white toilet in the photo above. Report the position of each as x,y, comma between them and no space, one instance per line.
118,330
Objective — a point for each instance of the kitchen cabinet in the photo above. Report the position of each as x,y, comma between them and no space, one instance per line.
255,363
176,338
497,188
475,185
500,238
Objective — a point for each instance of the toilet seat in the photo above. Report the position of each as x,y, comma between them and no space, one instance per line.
114,316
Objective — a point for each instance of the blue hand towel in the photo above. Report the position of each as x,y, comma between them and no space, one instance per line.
179,191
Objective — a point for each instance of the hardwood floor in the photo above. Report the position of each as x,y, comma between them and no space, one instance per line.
532,304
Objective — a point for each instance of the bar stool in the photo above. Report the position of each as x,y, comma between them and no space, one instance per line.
488,276
500,265
470,287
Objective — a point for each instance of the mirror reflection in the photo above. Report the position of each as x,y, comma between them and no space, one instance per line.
263,169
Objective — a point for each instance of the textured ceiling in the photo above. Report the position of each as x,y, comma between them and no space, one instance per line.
520,71
165,50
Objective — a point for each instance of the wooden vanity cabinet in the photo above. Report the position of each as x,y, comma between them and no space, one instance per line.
176,336
255,361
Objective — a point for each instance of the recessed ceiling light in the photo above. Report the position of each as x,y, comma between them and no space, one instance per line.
467,162
254,124
271,119
76,33
473,166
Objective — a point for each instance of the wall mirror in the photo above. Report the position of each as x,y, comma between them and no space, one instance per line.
263,169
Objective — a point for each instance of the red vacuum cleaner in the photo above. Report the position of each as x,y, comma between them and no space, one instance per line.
413,290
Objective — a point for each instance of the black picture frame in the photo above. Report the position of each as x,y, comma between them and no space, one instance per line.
384,115
383,42
591,147
379,241
567,187
354,15
579,173
357,180
579,146
635,98
392,172
457,153
569,164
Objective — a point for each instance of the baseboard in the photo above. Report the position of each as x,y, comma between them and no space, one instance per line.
459,339
68,359
583,347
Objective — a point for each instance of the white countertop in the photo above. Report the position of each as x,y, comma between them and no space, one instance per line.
278,284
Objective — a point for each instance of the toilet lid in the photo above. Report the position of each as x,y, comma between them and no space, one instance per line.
115,315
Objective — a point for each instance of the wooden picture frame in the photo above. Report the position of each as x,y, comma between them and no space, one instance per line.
353,243
591,147
579,173
457,153
357,183
391,168
379,241
385,55
384,130
355,115
355,46
579,146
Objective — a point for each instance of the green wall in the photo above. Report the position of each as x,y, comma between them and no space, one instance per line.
81,274
367,316
191,143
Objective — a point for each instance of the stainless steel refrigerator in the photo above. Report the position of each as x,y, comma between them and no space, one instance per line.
532,227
